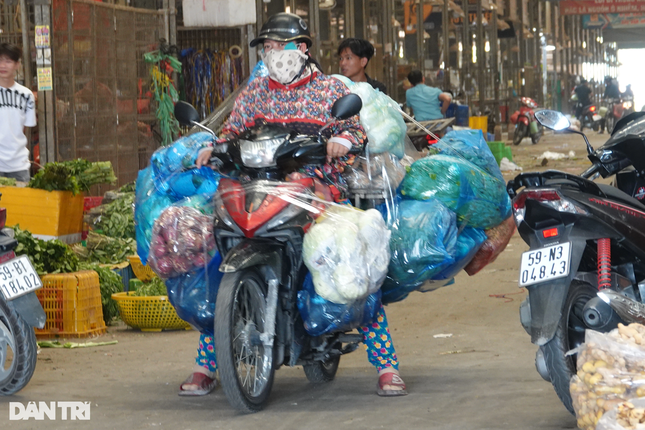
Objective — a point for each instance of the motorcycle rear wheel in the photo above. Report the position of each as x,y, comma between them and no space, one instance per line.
322,371
245,364
535,138
17,351
569,335
520,131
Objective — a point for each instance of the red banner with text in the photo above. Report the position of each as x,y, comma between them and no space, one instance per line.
591,7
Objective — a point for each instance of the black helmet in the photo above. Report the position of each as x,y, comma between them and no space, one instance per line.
284,27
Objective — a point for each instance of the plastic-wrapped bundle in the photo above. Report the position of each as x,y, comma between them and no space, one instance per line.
479,199
192,182
497,239
375,172
469,144
347,253
193,295
179,156
380,117
182,240
259,71
148,206
468,243
321,316
423,241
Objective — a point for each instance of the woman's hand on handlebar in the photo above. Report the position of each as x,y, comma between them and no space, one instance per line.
335,150
203,157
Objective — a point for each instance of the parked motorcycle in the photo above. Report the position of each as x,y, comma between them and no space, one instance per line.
525,123
589,118
585,239
259,226
20,311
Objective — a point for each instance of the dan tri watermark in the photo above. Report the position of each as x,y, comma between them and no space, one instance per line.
50,410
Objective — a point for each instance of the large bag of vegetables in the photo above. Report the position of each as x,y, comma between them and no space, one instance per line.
169,160
469,144
347,253
182,240
496,240
479,199
381,119
193,295
321,316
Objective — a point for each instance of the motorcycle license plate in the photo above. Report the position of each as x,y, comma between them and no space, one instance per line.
544,264
18,277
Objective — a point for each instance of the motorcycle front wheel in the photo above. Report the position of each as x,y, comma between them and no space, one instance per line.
570,334
535,138
520,131
245,364
610,122
17,351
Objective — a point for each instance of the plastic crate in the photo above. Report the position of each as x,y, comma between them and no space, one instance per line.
126,274
91,202
144,273
148,313
479,123
72,303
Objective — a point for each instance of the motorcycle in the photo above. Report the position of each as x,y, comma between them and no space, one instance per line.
584,269
20,311
259,226
525,123
628,105
615,111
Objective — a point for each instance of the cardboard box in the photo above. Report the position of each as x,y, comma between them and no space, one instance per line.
46,214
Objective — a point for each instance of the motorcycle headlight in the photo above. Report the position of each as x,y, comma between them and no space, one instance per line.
627,105
259,153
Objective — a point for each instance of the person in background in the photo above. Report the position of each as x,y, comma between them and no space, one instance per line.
354,55
17,111
611,93
427,103
297,91
628,92
584,93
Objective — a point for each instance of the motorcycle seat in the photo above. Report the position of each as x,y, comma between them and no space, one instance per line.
614,193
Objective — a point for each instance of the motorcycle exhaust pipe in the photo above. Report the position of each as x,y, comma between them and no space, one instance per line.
630,310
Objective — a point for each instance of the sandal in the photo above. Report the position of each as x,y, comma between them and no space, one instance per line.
392,379
205,383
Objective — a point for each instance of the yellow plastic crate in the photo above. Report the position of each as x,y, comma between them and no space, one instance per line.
72,303
478,123
46,214
148,313
143,273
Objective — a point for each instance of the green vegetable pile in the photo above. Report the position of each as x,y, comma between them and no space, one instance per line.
115,219
52,256
111,282
154,287
103,249
75,176
7,182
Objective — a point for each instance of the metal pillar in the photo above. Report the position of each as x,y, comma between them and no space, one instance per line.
522,45
26,50
494,49
46,99
466,56
481,57
445,25
420,31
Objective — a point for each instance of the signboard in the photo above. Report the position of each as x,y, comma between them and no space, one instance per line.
410,15
42,36
45,79
591,7
613,20
487,17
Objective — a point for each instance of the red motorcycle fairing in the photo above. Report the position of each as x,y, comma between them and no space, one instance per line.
249,220
524,120
618,110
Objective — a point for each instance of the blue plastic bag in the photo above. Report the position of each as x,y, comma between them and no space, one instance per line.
321,316
423,241
468,243
181,155
148,206
193,295
471,145
191,182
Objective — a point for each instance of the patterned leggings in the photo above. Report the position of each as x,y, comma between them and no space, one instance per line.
376,337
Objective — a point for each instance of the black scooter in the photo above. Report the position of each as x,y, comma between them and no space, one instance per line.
586,263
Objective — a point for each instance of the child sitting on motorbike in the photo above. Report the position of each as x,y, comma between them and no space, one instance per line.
296,93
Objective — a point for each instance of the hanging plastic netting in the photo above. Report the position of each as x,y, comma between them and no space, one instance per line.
478,198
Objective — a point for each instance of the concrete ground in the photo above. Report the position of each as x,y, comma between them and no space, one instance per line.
483,377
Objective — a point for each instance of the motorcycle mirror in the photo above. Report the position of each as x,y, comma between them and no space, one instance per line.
186,114
347,106
552,119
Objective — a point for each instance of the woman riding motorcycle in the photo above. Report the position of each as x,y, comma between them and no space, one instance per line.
296,93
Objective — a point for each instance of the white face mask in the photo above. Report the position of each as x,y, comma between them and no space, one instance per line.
284,65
